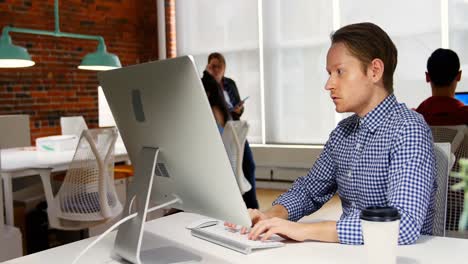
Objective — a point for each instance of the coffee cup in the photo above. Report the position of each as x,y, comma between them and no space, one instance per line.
380,230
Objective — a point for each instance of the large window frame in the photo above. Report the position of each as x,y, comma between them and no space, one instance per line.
442,39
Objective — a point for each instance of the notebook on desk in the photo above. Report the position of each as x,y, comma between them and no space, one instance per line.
233,239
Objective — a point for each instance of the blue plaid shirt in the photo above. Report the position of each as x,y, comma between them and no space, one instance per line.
385,158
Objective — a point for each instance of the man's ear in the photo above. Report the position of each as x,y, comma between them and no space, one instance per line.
376,69
458,78
428,78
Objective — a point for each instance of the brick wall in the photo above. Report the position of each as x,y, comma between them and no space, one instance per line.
170,13
54,87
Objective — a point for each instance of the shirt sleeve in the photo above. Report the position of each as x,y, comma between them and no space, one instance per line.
349,228
309,193
412,179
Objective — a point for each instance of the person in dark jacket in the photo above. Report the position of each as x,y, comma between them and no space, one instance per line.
217,102
215,70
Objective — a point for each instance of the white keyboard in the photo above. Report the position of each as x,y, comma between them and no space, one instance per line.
233,239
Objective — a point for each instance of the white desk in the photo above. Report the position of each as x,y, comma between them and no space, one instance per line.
22,162
170,231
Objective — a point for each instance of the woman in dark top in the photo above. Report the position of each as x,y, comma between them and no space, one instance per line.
228,91
217,103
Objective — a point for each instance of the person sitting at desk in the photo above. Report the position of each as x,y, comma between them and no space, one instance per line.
381,156
443,73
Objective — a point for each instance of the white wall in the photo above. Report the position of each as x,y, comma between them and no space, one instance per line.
277,165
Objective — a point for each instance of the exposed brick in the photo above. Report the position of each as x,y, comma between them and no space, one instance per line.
171,48
87,23
20,9
102,8
54,87
23,95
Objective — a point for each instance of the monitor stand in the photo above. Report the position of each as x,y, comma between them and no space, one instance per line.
130,234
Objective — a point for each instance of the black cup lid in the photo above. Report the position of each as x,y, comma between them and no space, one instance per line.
380,214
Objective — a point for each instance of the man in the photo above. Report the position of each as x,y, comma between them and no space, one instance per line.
215,70
381,156
443,73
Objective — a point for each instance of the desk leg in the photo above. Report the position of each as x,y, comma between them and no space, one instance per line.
45,178
8,192
51,212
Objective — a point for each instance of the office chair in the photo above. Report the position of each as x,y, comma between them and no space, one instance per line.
443,156
452,134
87,196
234,137
73,125
457,136
15,131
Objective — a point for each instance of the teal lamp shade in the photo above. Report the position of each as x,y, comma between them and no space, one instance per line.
100,60
12,56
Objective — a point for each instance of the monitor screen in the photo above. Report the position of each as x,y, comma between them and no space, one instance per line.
462,96
163,105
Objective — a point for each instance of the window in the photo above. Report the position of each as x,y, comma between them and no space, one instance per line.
415,41
295,43
294,61
276,52
458,36
229,27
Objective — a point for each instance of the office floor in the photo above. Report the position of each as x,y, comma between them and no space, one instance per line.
330,211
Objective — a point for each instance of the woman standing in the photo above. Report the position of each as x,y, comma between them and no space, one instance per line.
235,108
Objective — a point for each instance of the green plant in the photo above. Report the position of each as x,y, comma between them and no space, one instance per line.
462,185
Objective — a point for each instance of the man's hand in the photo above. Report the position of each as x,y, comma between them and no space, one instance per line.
320,231
274,221
265,226
255,215
264,229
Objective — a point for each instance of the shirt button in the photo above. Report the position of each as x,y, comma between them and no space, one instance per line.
358,146
349,174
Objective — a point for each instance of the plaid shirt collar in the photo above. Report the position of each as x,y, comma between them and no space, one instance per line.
372,120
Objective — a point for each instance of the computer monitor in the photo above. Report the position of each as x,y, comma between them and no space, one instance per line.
162,106
462,96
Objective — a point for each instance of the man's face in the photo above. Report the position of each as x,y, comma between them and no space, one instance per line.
350,88
216,69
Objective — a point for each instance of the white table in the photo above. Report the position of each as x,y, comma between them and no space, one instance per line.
23,162
170,231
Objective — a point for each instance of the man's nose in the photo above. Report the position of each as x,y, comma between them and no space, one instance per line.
329,85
